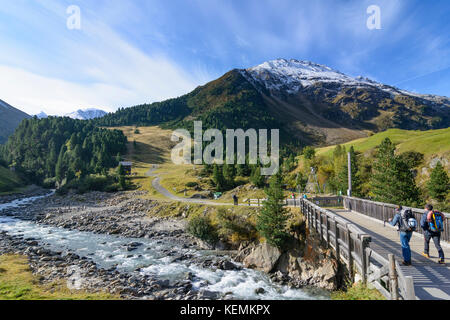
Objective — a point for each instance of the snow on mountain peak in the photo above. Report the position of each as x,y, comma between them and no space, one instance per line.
42,115
86,114
293,75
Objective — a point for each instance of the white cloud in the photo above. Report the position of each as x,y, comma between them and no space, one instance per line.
93,67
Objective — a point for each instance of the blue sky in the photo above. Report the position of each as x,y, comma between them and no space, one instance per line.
129,52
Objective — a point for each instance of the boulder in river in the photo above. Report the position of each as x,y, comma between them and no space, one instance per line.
264,257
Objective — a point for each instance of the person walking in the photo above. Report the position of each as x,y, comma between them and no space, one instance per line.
401,220
235,199
431,224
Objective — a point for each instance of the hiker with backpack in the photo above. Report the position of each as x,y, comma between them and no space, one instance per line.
432,223
407,224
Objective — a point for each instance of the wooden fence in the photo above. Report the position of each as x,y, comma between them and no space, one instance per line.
323,202
385,211
352,247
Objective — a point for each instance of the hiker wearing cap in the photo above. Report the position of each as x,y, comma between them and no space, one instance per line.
432,223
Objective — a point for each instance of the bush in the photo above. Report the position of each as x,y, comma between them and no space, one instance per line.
191,184
235,226
49,183
201,228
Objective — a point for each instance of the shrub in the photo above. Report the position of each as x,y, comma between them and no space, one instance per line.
201,228
49,183
234,226
191,184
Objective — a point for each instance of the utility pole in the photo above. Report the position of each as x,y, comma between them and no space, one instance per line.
349,191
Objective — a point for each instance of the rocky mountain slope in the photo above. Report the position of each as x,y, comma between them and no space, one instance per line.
310,103
10,118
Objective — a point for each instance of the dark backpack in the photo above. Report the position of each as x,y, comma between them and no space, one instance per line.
408,222
437,223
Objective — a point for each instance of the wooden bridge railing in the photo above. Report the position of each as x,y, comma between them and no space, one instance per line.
352,247
385,211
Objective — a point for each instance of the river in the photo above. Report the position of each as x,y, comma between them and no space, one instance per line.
150,257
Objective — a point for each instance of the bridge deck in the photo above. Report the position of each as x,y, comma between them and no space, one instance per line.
431,280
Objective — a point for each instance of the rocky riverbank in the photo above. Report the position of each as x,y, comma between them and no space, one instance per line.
123,214
81,273
126,215
30,191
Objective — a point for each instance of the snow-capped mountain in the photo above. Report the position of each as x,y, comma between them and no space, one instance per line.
42,115
308,102
293,76
86,114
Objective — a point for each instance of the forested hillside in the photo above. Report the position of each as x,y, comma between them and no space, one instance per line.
62,148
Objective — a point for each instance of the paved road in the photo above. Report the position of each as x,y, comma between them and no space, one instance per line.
156,183
431,280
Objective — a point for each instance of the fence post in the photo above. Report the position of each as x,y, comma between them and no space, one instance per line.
336,240
393,278
364,244
350,257
320,226
410,293
327,227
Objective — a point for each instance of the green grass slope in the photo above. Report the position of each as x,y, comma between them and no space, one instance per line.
430,143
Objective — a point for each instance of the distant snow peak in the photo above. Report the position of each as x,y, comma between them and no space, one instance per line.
42,115
87,114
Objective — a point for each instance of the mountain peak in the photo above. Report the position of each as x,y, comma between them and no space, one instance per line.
86,114
41,115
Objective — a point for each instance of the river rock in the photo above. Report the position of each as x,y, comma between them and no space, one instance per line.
264,257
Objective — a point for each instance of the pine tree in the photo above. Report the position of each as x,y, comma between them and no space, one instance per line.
309,153
229,174
256,178
218,179
438,185
271,221
392,179
60,169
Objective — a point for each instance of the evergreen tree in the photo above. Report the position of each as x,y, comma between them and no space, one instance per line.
229,174
271,221
309,153
392,179
438,185
218,179
60,168
256,178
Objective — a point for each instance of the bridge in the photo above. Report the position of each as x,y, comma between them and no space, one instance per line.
370,249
